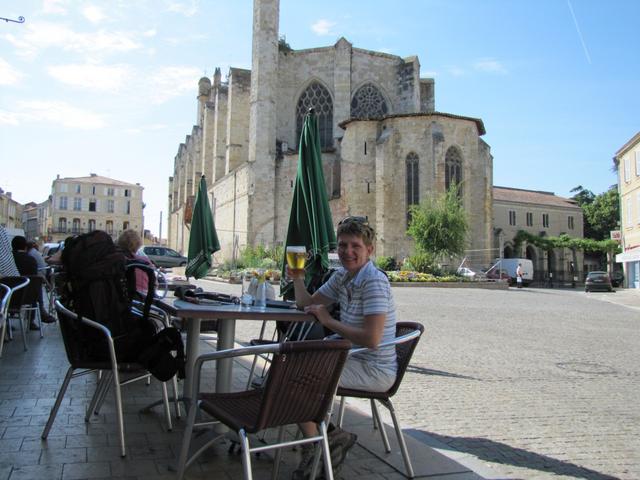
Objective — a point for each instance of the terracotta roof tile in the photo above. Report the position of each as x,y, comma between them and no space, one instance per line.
532,196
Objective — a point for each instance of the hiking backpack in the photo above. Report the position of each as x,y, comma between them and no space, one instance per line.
98,285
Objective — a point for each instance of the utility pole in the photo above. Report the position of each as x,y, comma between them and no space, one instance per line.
160,230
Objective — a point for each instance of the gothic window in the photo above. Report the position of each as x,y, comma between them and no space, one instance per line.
318,97
368,102
453,170
413,189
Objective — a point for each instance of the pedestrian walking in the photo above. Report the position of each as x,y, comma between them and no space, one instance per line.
519,275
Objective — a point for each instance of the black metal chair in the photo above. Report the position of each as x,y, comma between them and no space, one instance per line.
407,337
82,364
12,307
299,388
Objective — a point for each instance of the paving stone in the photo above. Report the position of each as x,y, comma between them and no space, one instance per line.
76,471
37,472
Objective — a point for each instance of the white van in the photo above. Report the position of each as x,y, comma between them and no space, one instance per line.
510,265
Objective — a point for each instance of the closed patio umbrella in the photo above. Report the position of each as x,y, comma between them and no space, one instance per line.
310,222
203,241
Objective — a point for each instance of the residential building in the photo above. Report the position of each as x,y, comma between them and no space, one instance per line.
83,204
541,214
10,211
35,218
627,162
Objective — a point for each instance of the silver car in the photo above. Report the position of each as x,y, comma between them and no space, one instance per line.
163,256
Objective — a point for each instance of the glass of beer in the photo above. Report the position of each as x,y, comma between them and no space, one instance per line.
296,258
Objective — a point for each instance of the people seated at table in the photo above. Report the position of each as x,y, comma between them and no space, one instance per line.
367,319
130,242
27,265
32,250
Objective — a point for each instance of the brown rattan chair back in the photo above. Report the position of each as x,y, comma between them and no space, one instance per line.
301,382
404,351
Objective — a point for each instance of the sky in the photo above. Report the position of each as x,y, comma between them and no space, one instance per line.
109,87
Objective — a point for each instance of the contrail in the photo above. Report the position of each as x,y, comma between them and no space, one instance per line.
575,20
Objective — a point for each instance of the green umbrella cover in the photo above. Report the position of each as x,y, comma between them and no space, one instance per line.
310,222
203,241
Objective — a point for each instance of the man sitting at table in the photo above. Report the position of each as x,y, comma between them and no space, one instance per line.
27,265
367,319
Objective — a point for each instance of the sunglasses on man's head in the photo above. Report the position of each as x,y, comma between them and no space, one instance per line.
355,219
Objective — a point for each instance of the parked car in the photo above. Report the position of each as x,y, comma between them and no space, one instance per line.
49,249
497,274
466,272
163,256
617,278
598,281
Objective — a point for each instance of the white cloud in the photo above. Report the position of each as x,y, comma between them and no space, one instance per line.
92,77
8,118
490,65
188,9
322,27
8,74
456,71
150,33
170,82
42,35
55,7
53,112
93,13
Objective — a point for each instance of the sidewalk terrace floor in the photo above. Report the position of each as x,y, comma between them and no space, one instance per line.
29,383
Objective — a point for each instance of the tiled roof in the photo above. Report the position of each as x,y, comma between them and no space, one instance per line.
97,179
535,197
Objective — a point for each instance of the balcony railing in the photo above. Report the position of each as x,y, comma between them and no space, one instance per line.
79,231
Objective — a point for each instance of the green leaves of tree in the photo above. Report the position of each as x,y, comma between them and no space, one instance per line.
439,225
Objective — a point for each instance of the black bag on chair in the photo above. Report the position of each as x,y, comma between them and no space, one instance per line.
98,286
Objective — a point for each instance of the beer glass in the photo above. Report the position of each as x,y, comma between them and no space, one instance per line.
296,258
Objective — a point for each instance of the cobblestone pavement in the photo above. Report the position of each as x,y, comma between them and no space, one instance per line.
535,383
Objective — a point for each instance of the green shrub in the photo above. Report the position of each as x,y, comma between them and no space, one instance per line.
422,262
385,263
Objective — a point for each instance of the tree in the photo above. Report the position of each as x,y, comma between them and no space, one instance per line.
439,225
601,212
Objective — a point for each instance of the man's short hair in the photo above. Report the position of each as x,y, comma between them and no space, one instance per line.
19,243
358,226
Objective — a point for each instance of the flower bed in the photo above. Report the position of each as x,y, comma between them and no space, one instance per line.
407,276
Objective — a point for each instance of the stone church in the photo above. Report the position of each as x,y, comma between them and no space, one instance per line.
385,147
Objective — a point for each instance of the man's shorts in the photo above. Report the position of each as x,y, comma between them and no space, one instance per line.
359,375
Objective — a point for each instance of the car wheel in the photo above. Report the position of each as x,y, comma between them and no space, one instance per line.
586,290
183,264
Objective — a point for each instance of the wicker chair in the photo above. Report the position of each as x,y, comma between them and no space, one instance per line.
407,337
12,307
299,388
111,369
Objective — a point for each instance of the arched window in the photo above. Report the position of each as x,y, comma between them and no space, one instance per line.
453,170
413,183
368,102
62,225
318,97
92,225
109,226
75,225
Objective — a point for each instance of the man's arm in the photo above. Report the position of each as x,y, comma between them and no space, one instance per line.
369,335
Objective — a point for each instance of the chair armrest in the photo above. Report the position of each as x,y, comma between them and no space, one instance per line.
6,298
396,341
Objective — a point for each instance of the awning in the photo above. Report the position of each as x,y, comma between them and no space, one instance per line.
630,256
